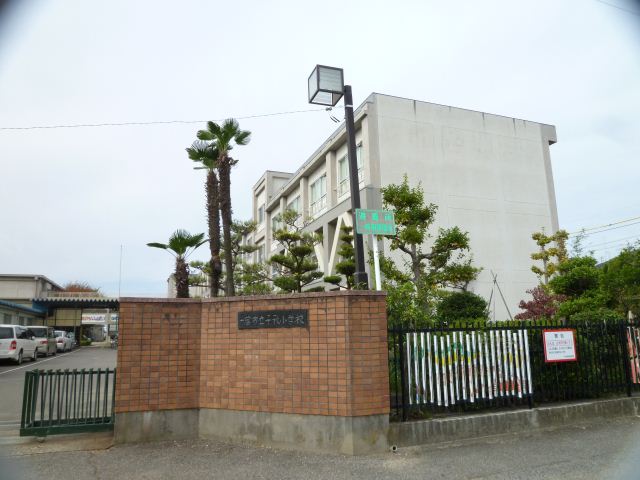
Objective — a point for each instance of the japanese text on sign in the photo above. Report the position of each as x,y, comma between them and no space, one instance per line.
273,319
559,346
375,222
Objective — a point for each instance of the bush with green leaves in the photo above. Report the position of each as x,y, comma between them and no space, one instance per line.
458,306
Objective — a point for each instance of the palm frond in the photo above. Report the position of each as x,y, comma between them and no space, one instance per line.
243,137
181,241
204,135
213,128
203,152
230,127
157,245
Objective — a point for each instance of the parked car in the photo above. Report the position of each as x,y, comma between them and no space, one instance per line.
17,343
63,341
45,340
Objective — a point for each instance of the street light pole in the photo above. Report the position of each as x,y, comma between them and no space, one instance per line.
326,87
360,276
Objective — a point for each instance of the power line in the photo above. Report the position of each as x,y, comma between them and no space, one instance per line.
618,7
616,240
632,237
606,248
613,228
584,230
158,122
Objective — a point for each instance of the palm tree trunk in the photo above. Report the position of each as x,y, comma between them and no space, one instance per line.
224,167
213,220
182,278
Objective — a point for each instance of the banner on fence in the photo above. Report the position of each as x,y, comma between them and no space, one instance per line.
447,368
559,345
633,346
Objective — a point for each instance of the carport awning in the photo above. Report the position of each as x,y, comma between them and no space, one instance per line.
71,302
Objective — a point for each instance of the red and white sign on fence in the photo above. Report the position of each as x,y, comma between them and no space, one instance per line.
559,345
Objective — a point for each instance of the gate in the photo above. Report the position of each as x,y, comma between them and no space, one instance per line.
67,401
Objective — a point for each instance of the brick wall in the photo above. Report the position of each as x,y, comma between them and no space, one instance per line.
158,355
336,366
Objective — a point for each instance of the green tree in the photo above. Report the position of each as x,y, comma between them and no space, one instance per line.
462,306
181,245
249,278
223,138
298,264
553,251
621,281
206,154
446,263
424,270
346,267
252,279
578,280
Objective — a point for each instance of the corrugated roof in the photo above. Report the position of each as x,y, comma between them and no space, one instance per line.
77,302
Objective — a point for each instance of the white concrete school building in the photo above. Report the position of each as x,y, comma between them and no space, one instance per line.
488,174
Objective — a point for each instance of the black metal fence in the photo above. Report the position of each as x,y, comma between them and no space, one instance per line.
67,401
462,367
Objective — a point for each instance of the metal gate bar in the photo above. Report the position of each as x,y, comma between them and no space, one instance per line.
67,401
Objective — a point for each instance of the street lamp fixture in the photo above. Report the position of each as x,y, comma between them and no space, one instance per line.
326,87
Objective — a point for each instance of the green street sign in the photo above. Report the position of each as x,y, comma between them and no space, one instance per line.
375,222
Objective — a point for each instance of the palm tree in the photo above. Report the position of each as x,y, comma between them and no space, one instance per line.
206,154
181,245
223,137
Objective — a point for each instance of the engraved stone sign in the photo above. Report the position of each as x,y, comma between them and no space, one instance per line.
274,319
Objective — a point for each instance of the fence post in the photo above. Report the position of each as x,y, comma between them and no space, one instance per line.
403,377
529,365
622,333
26,399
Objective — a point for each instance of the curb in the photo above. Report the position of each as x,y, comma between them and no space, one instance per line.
77,441
425,432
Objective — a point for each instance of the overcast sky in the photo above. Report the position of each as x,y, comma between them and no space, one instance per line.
70,197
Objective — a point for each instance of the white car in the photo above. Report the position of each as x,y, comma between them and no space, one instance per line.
17,343
45,340
63,341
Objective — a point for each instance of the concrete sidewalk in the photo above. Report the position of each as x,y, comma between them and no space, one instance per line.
606,449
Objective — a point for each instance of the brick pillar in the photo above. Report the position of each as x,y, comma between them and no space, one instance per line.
158,369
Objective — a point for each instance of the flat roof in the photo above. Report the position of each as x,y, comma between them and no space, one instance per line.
457,108
33,276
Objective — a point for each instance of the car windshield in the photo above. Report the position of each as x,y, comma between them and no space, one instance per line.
6,332
59,333
39,332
